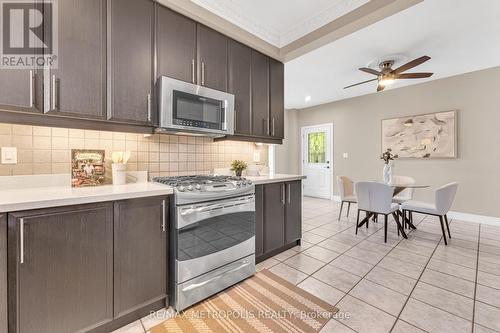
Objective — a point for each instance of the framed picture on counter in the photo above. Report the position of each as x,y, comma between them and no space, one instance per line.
87,167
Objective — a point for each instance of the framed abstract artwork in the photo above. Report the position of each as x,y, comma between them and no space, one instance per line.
432,135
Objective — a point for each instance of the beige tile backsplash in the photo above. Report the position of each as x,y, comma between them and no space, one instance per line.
46,150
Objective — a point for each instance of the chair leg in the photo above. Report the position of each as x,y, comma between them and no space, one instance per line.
385,228
357,222
396,218
348,208
411,218
442,229
447,225
340,213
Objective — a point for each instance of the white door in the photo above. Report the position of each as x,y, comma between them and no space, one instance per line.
317,160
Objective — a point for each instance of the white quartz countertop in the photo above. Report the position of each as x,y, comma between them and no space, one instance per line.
12,200
274,178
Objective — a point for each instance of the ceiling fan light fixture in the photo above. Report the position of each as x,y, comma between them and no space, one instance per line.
386,81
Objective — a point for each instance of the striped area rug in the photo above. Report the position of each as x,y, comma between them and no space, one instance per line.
262,303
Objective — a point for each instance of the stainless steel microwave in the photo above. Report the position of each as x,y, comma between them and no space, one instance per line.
192,109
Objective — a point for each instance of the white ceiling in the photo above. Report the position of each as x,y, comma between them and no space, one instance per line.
459,35
280,22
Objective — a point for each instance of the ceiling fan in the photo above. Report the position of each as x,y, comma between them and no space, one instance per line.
387,75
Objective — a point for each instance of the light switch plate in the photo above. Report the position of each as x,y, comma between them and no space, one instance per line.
345,155
9,155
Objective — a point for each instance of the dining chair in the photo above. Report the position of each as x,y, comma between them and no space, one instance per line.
444,197
406,194
346,190
376,198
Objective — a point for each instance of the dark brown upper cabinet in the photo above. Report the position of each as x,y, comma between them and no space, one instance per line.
277,98
60,267
176,45
260,94
239,84
21,90
77,86
140,263
212,58
130,61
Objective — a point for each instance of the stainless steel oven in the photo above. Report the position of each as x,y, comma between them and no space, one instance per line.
189,108
214,246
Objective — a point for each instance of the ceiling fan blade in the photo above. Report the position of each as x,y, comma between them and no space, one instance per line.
380,87
413,75
370,71
411,64
357,84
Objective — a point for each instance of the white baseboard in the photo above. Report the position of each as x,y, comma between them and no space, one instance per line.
466,217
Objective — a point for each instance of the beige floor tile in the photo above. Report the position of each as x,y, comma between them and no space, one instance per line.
392,280
304,263
415,248
489,280
312,238
379,296
364,317
482,329
432,319
453,269
352,265
365,255
489,257
135,327
288,273
285,255
445,300
303,246
321,253
449,282
489,267
333,326
488,295
487,316
266,264
404,268
489,248
334,245
404,327
324,232
321,290
409,257
337,278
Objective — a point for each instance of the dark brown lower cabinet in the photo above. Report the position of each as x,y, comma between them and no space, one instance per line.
278,217
3,273
140,253
60,269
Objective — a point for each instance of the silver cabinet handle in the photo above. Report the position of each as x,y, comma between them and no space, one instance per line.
21,241
268,125
164,216
54,92
289,196
202,73
272,133
235,123
193,78
32,101
149,107
283,194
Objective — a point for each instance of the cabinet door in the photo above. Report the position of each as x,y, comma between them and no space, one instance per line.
277,98
259,220
60,269
293,211
131,60
274,216
239,84
140,253
176,45
21,90
212,58
77,87
260,94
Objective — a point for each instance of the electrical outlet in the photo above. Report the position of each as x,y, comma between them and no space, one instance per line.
9,155
345,155
256,156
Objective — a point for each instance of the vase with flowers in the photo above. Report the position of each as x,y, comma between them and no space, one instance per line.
388,158
238,166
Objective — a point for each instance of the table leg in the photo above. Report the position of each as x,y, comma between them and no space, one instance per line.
365,220
400,227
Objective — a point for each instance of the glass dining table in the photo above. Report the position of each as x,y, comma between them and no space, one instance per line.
398,188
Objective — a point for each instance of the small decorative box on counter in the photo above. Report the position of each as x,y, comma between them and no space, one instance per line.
87,167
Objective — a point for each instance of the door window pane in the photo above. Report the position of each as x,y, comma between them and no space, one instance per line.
317,146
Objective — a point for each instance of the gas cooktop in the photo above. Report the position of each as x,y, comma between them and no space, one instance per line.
200,183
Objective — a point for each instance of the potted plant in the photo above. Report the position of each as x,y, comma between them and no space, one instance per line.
388,157
238,166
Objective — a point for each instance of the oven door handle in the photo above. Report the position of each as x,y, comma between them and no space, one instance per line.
201,284
228,204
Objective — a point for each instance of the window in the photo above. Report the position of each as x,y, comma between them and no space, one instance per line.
317,145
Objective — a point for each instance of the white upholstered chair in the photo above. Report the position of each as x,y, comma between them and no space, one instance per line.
346,191
376,198
442,203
